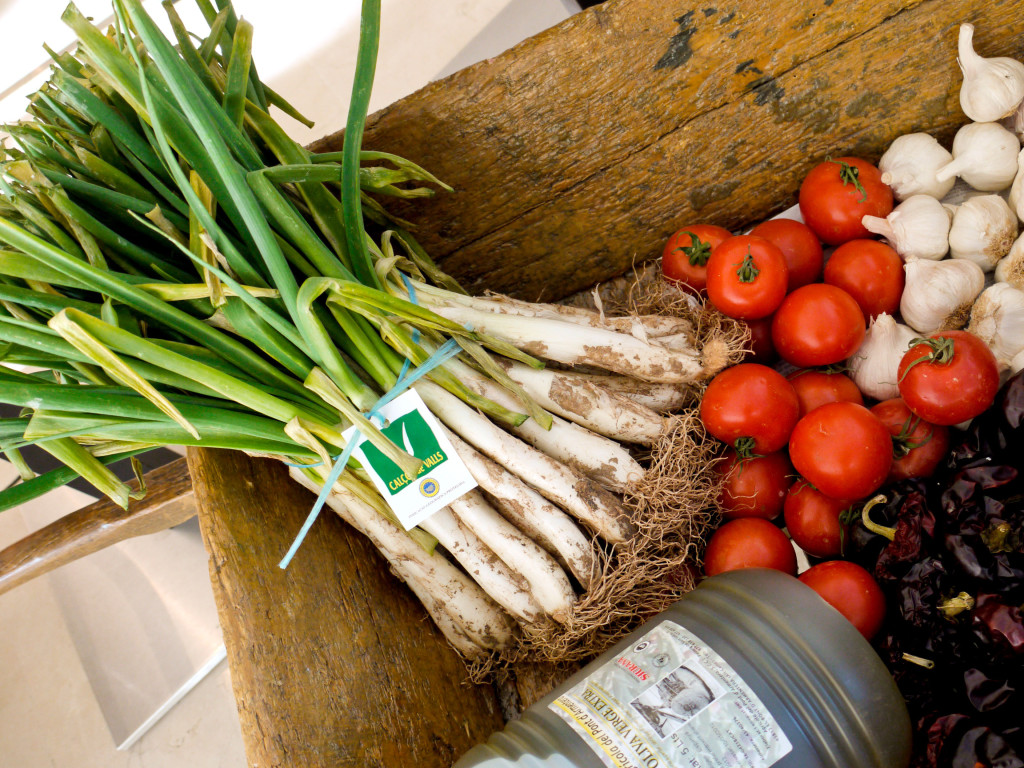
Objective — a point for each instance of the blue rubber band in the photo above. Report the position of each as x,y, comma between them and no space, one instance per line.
443,353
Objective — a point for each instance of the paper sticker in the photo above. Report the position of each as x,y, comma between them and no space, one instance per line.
669,700
442,478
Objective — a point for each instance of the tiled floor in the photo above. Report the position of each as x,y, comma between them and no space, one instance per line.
49,714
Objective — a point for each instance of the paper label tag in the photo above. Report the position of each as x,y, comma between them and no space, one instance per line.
442,478
669,700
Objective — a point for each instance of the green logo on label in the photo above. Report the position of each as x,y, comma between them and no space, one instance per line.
412,433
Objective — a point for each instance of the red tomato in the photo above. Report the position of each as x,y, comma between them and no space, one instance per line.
949,378
818,324
754,487
800,246
814,388
746,277
871,272
751,407
760,344
837,193
851,590
842,449
813,520
685,257
749,542
918,447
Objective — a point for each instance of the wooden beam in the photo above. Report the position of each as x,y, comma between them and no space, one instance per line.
580,150
168,502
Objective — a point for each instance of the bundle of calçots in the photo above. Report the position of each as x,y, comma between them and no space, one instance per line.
176,270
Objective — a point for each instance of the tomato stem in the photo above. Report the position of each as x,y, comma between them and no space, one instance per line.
941,349
698,251
747,271
846,519
745,448
850,174
901,442
871,525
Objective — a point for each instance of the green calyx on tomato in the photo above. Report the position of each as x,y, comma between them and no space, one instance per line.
849,174
745,448
940,352
747,271
903,443
847,517
697,252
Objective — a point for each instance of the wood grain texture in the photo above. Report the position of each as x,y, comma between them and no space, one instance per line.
334,663
168,502
579,151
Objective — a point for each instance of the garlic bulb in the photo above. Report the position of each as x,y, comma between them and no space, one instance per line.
992,88
984,155
910,163
1010,268
873,367
1016,196
998,319
1015,122
1017,364
939,294
983,230
917,228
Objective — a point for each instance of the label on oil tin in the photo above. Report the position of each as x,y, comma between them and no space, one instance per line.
669,701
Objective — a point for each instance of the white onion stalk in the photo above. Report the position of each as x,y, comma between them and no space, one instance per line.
652,326
505,586
574,344
660,398
435,607
451,591
580,496
534,515
680,342
548,583
588,404
604,460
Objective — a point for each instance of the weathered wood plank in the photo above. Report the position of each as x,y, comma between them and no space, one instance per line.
334,663
582,149
168,502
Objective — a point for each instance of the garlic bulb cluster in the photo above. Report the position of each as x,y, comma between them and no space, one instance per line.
998,319
939,294
909,165
917,228
983,230
984,155
1010,268
992,88
874,366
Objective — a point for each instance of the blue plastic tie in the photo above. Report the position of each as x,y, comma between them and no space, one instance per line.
445,352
